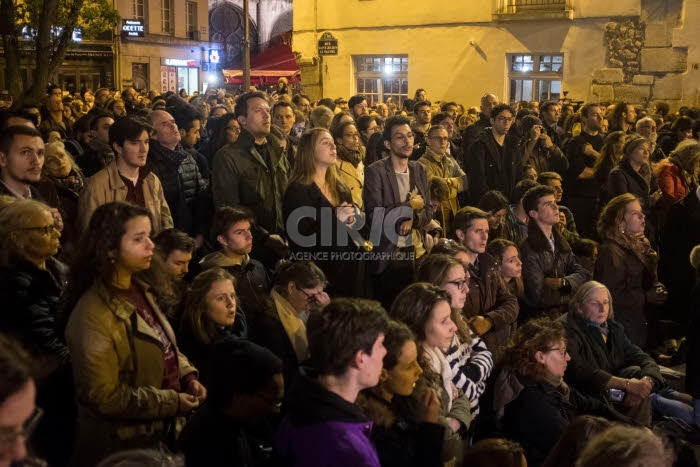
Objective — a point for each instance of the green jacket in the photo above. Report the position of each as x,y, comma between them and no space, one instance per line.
240,176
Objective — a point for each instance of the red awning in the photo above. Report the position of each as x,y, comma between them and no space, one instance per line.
268,67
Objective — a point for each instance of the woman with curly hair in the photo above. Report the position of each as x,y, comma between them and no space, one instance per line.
533,389
627,265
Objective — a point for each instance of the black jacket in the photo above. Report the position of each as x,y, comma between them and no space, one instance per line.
183,187
96,157
492,167
30,298
578,161
594,361
623,179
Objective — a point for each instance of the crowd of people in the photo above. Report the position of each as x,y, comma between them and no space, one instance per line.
264,280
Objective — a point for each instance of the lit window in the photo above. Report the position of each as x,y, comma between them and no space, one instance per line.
166,10
535,77
380,77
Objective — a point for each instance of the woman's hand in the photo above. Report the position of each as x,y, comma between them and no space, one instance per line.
186,403
345,213
196,389
429,407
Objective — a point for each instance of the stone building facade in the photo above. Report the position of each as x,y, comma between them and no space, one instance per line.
636,50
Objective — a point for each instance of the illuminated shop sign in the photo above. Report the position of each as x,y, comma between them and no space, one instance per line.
133,28
180,62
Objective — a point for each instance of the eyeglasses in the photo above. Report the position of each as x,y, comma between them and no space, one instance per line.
45,230
10,435
310,296
459,284
561,351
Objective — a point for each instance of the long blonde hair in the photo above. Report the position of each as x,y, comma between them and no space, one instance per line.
305,162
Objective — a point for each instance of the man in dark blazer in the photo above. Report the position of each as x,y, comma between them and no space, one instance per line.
400,187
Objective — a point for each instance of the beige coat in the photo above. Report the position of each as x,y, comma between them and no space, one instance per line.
107,186
118,363
352,178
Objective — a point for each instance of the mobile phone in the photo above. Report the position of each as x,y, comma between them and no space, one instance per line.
616,395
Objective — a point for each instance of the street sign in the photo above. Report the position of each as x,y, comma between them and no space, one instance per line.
328,45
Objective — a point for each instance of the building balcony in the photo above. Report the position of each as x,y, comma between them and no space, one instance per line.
533,10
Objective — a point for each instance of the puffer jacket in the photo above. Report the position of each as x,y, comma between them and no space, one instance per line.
118,364
240,176
183,186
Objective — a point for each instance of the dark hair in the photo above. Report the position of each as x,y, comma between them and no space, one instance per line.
493,201
375,147
619,109
356,99
500,108
6,115
520,189
170,240
280,104
98,114
397,334
239,367
227,216
241,109
494,451
338,130
143,458
414,305
575,438
435,267
420,104
662,109
544,177
185,115
327,102
544,107
130,128
584,247
7,136
219,134
533,195
536,335
439,117
586,108
304,275
101,238
449,247
612,215
341,329
445,105
465,216
298,97
364,122
397,120
15,367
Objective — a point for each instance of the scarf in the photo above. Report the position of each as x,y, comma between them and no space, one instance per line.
354,157
438,363
74,181
641,248
293,325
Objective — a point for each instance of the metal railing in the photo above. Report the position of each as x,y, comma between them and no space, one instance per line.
515,6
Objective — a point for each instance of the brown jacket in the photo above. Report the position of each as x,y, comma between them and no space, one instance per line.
118,363
489,296
107,186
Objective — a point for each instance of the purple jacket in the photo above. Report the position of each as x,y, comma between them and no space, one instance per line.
322,429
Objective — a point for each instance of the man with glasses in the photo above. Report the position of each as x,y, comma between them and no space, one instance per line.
582,187
646,128
438,164
454,149
396,183
493,161
490,309
551,273
18,412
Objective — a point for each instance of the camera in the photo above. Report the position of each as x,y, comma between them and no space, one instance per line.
616,395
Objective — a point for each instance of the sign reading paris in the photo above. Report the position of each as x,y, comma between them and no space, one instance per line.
328,45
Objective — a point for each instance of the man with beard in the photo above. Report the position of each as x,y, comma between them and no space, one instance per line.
493,161
422,113
390,183
21,160
624,116
646,128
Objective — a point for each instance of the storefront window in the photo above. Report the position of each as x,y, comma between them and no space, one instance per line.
380,77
